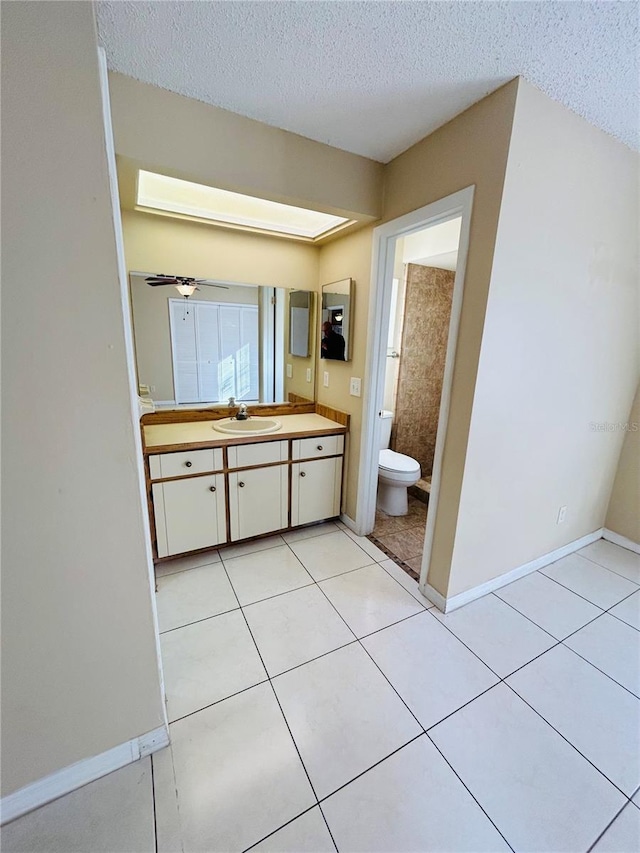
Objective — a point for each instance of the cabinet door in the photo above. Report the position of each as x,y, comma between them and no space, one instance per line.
189,514
258,501
315,490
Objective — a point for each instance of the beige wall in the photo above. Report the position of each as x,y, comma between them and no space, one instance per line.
560,345
623,514
152,125
79,666
348,257
160,244
470,150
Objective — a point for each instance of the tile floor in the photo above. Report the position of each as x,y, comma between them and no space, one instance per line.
319,703
402,537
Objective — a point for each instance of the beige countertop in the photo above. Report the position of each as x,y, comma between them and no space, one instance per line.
166,437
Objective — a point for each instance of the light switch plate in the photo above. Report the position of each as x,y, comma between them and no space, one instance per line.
289,371
355,386
325,380
308,374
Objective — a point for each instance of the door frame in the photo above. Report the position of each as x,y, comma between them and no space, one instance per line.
385,236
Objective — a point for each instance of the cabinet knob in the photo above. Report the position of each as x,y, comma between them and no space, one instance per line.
212,488
302,474
320,447
188,464
241,484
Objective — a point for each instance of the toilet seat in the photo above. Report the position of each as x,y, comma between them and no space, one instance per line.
391,461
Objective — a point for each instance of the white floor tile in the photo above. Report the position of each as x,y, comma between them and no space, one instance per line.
192,595
368,547
593,582
208,661
168,826
623,836
561,686
540,793
369,599
112,814
619,560
181,564
266,573
306,834
407,582
238,774
551,606
293,628
432,671
503,639
412,801
253,547
629,610
343,715
326,556
613,647
310,531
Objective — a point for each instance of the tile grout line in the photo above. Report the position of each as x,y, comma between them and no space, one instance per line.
153,802
608,826
582,596
613,571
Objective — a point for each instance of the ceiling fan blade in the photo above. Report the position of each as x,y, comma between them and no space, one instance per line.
213,284
154,282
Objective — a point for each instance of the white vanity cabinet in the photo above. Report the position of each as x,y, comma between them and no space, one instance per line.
190,512
207,497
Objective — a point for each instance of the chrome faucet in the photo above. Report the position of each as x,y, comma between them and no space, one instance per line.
242,412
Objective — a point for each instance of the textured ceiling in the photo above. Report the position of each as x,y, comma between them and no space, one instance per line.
374,77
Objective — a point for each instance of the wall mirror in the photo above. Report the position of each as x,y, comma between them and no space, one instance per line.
225,340
301,303
337,310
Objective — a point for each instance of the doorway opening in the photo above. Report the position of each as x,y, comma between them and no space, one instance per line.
417,281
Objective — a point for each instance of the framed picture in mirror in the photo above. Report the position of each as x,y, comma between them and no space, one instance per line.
337,311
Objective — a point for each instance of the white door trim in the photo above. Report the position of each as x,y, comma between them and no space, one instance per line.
384,242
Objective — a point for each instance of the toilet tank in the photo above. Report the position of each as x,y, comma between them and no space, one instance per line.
386,422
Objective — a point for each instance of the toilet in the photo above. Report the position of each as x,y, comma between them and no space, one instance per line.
396,472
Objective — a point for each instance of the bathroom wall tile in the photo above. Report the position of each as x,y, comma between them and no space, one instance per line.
424,341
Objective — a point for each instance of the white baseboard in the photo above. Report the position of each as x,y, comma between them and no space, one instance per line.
81,773
446,605
618,539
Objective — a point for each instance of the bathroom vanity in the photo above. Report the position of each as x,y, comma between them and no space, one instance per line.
207,488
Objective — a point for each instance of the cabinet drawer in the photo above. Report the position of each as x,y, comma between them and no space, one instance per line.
184,463
245,455
321,445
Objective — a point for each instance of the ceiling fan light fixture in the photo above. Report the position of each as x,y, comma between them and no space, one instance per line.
186,290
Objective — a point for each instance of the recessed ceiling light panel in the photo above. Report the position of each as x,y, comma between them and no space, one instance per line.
172,195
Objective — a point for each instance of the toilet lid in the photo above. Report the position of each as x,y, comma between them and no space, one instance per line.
392,461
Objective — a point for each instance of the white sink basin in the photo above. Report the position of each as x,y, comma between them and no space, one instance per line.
252,426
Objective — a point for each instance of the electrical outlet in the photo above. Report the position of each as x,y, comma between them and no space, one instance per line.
289,371
325,379
562,514
355,386
152,388
308,374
